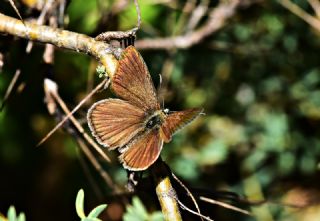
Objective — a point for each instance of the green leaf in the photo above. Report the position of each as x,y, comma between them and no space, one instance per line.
139,207
136,211
21,217
79,204
90,219
156,216
96,211
12,215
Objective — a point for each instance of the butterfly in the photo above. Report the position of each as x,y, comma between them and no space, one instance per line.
135,124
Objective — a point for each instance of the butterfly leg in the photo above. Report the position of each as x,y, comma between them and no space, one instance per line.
132,181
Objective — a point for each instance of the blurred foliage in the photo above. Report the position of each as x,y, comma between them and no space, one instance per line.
138,212
257,78
12,215
93,215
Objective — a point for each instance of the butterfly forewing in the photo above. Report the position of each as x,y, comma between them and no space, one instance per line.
143,151
133,83
115,122
176,120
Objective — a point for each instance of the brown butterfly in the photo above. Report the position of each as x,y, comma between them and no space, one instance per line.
136,125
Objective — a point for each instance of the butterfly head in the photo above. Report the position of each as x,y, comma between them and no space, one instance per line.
155,120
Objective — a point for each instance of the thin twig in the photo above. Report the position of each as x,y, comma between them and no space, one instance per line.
107,179
120,35
10,87
193,212
40,21
217,19
48,54
295,9
92,181
197,14
15,9
189,193
1,61
28,50
97,88
315,4
77,125
178,27
116,35
138,14
225,205
62,8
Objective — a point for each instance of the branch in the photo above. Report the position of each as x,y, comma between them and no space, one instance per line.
166,194
105,82
315,4
295,9
62,39
217,19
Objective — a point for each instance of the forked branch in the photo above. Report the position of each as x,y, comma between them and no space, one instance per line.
217,19
62,39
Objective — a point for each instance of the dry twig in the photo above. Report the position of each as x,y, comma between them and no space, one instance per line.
217,19
41,20
15,9
10,87
121,35
315,4
197,14
62,39
295,9
194,212
97,88
225,205
189,193
52,89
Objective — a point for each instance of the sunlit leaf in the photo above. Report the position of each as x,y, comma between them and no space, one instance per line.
80,204
97,211
156,216
12,215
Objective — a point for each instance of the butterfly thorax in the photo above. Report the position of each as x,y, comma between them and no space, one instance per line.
156,119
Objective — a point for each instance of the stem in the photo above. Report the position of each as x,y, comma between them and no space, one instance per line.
295,9
60,38
166,194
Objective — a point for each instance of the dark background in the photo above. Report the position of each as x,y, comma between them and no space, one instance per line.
257,79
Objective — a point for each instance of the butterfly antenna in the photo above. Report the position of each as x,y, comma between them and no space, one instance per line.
138,14
160,91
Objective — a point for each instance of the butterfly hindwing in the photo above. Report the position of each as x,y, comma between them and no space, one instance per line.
143,151
177,120
132,81
115,122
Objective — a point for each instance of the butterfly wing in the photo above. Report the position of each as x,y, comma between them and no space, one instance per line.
115,122
132,81
143,151
177,120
